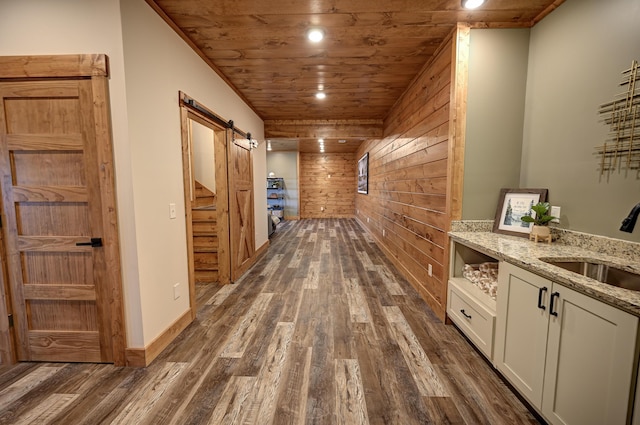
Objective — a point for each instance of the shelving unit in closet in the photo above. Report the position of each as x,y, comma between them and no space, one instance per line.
275,196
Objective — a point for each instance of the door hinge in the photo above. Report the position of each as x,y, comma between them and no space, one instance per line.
10,320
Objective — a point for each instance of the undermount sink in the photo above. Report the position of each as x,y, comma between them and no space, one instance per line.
604,273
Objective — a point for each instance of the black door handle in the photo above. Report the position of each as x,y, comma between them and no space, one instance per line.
95,243
468,316
541,291
553,298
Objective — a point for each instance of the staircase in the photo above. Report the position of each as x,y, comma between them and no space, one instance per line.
205,235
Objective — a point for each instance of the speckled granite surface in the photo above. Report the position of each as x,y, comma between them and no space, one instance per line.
527,254
600,244
472,226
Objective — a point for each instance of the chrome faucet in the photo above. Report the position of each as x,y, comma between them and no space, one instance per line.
629,222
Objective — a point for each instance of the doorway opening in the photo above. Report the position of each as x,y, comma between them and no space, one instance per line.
204,152
218,182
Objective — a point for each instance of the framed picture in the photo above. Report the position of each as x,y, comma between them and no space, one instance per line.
363,174
512,206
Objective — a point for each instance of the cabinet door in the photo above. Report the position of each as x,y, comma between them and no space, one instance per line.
590,359
521,334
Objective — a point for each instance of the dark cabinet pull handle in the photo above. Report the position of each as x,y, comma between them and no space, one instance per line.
95,243
468,316
541,291
553,298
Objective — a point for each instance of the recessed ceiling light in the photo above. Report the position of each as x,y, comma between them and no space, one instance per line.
315,35
342,141
472,4
320,140
320,95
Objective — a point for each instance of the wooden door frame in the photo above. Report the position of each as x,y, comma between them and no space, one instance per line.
7,341
187,112
95,68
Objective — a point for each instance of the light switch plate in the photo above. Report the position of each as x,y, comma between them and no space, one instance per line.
172,211
555,212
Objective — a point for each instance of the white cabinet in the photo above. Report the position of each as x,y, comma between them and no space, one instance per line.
570,355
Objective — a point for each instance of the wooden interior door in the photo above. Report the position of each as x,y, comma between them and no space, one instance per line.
240,206
57,182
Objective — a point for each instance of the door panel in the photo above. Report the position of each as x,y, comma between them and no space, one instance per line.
241,207
589,363
52,202
521,329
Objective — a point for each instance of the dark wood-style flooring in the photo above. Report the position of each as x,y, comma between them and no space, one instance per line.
322,330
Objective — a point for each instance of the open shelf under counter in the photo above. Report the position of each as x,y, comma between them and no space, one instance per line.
470,308
475,292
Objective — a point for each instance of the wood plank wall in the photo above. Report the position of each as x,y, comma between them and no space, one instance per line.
327,185
406,209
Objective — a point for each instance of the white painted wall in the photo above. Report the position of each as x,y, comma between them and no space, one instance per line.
576,56
260,191
158,64
146,75
204,156
285,165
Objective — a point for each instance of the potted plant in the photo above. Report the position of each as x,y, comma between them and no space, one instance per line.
540,229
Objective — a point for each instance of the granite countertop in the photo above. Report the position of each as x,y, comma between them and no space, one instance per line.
526,254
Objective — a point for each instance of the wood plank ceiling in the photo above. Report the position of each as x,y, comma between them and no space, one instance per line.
371,52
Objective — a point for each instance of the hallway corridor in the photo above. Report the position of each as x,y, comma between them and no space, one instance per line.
322,330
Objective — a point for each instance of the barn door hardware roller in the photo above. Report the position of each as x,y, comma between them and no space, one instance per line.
95,243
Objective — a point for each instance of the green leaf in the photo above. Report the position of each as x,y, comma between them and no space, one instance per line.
541,219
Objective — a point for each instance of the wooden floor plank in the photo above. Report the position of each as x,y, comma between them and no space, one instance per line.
100,397
423,372
219,297
229,410
366,261
146,399
261,407
10,374
389,281
25,384
296,259
206,393
244,332
389,389
350,400
358,308
292,400
46,411
321,330
312,276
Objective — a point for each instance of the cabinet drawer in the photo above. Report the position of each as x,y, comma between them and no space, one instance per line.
475,320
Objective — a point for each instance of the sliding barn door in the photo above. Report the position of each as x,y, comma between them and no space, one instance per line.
54,180
240,206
